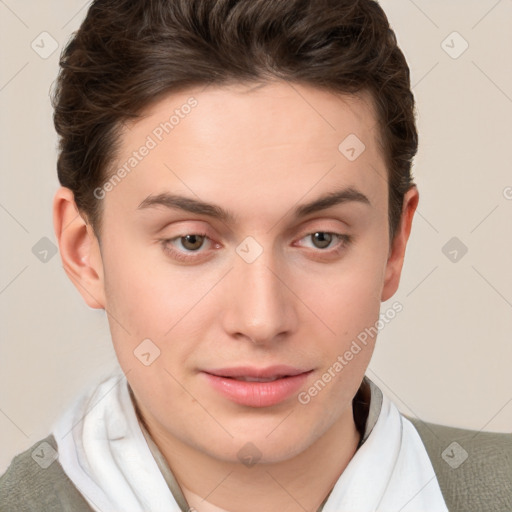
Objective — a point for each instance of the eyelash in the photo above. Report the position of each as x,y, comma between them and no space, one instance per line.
345,241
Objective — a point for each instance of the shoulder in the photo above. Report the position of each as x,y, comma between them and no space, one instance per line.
35,481
474,468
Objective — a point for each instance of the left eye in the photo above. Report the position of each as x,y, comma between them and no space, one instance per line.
323,239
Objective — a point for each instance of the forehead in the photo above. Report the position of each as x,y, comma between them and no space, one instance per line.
263,111
281,138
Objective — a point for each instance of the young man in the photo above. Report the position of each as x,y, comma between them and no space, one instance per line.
236,195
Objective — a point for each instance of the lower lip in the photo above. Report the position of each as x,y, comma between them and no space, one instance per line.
257,394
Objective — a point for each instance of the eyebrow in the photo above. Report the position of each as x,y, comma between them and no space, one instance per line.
188,204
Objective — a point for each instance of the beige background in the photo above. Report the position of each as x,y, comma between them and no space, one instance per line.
445,358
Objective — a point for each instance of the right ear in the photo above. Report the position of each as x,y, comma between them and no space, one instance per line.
79,249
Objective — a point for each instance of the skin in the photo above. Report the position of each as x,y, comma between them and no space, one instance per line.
259,153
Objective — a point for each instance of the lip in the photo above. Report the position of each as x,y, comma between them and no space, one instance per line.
288,382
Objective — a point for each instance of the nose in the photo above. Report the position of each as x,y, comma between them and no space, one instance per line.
260,306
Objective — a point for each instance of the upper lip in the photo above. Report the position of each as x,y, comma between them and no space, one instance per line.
258,373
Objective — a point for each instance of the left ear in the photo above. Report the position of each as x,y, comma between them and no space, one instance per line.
398,244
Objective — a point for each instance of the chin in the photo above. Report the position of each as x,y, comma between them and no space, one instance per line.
261,448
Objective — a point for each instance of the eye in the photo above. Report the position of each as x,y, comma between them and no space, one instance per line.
187,247
190,243
323,239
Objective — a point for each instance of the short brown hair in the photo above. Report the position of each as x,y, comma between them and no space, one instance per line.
127,53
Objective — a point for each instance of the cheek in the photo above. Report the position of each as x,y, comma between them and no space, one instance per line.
346,348
138,302
154,300
349,297
350,307
133,294
141,291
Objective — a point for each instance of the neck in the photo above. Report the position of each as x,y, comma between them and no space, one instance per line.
293,485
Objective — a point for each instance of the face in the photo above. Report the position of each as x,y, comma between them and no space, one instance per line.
217,253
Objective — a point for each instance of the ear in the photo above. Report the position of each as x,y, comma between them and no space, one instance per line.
398,244
79,249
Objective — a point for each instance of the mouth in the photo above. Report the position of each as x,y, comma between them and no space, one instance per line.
252,374
257,379
257,387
